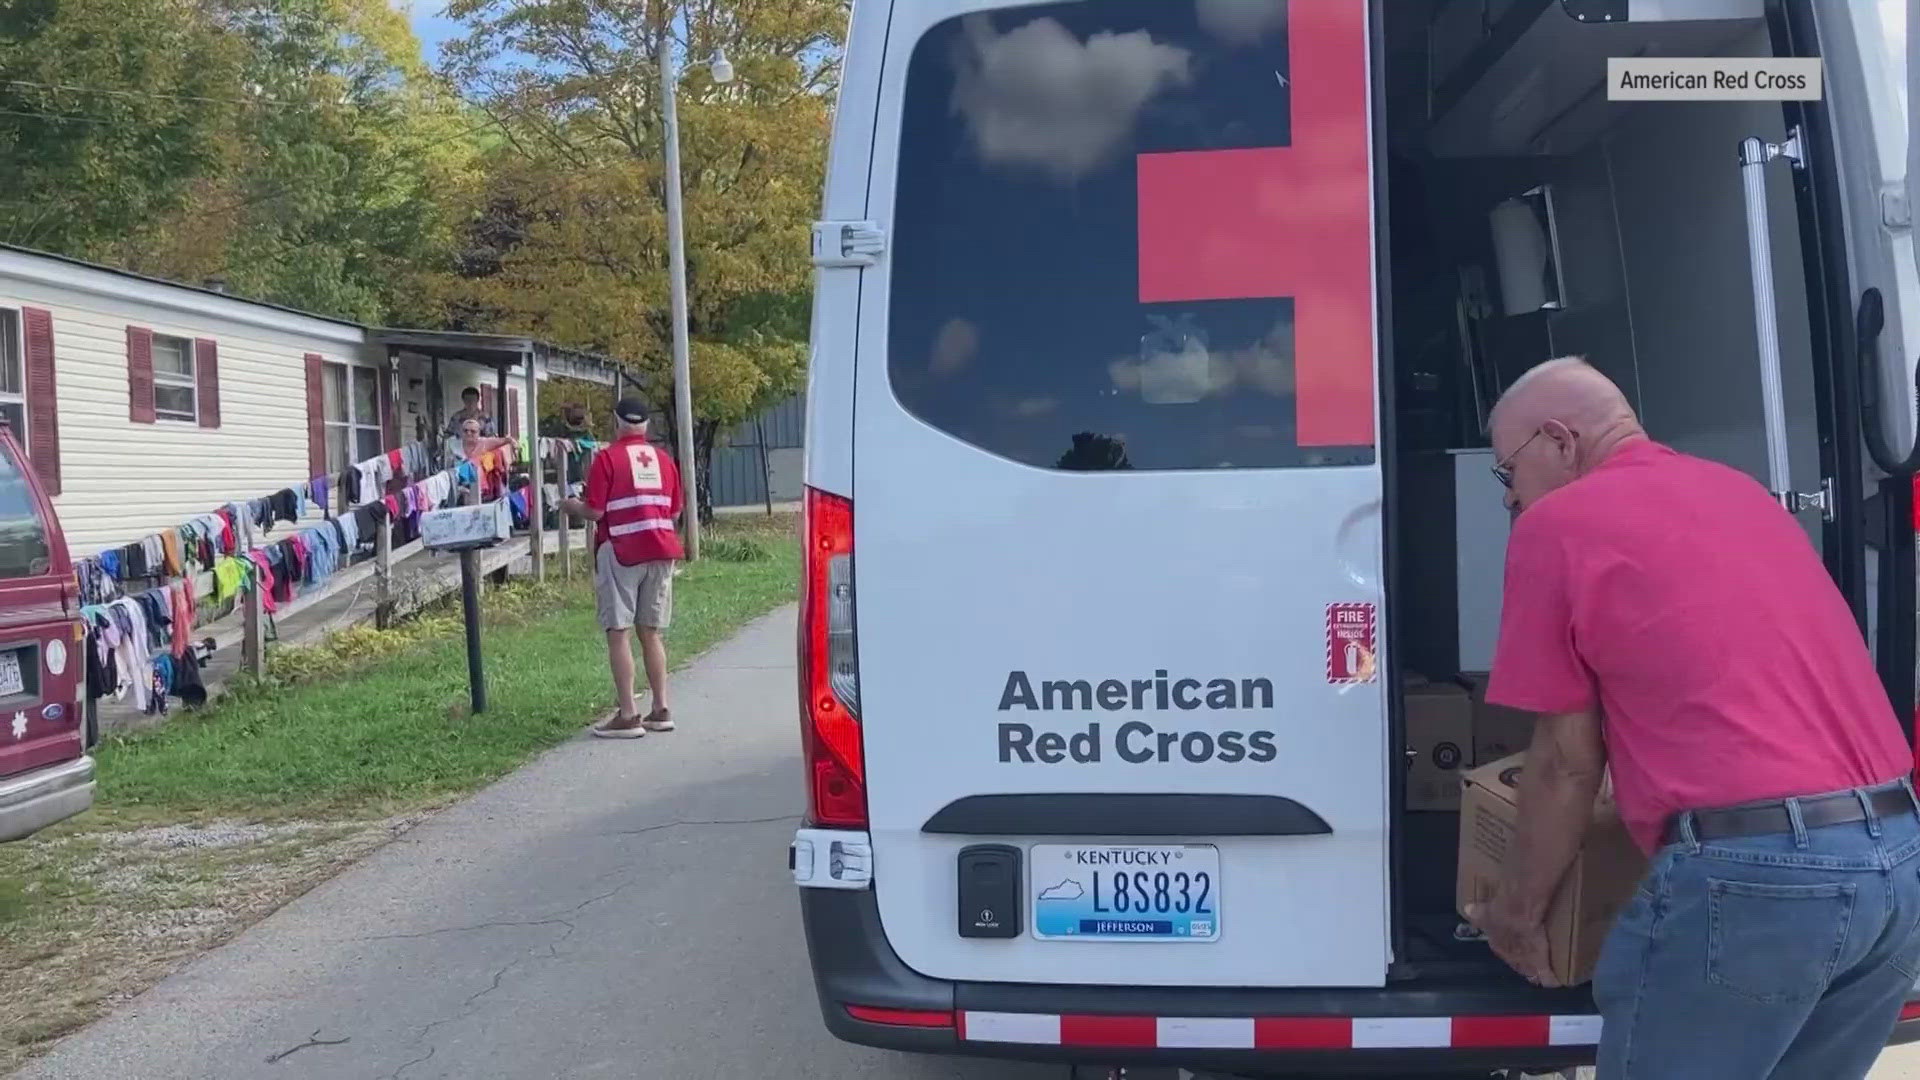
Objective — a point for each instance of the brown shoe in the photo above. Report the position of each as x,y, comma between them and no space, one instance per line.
658,720
620,727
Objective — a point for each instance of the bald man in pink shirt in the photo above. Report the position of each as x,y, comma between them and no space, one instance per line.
1668,620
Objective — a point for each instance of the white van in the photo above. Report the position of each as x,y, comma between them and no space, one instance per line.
1153,345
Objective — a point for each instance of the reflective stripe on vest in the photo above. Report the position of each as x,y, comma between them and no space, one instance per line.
630,527
631,501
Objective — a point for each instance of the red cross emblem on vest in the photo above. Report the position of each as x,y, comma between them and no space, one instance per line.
643,465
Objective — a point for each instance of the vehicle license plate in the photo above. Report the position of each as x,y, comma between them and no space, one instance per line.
11,679
1104,892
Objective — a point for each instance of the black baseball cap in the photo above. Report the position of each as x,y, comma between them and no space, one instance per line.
631,410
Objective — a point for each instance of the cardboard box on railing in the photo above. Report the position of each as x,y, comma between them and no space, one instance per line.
1602,879
458,528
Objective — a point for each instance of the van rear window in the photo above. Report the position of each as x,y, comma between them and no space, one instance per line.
1136,234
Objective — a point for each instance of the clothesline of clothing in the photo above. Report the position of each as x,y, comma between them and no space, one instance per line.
137,648
138,645
365,481
196,546
547,444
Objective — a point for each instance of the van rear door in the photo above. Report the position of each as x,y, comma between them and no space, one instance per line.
40,660
1116,497
1861,198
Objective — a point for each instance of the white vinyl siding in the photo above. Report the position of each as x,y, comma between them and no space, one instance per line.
121,480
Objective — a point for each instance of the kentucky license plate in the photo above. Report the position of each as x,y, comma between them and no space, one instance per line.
12,681
1125,893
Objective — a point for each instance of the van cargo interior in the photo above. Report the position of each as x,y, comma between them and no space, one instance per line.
1529,217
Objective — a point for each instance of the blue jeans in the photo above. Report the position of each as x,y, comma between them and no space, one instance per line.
1782,957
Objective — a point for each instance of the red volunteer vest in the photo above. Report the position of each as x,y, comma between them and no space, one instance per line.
637,487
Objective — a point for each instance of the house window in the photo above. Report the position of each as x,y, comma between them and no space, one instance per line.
173,383
13,381
352,414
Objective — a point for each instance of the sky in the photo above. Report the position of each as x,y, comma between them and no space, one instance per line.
429,24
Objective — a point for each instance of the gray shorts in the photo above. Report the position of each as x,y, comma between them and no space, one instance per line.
638,595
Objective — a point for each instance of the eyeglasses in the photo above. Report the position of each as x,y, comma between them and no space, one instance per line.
1503,471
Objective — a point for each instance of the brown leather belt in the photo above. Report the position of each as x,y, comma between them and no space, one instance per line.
1770,818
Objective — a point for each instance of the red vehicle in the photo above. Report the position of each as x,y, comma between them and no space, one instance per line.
46,774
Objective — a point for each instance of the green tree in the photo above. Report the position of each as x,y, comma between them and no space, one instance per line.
334,198
110,111
568,237
300,149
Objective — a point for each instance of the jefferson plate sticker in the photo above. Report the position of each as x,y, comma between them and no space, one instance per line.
1350,643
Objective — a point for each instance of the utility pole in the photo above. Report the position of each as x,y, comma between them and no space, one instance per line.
677,264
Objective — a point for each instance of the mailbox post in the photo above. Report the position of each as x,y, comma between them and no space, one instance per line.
470,614
468,530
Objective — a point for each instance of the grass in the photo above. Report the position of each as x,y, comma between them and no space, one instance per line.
213,820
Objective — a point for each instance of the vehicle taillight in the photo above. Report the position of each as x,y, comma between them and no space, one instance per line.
921,1018
829,668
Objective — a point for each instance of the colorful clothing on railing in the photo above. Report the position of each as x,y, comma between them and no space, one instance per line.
97,586
227,577
262,579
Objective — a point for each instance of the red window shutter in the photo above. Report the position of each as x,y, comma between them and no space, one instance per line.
206,372
486,405
316,417
513,411
140,375
43,413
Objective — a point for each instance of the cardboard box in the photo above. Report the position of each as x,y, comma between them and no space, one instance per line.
1602,879
1439,738
1498,731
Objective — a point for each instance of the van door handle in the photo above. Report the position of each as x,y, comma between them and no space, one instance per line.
1869,325
1755,153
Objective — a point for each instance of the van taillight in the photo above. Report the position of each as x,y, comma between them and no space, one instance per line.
829,668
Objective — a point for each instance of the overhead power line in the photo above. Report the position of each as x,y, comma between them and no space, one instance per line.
151,94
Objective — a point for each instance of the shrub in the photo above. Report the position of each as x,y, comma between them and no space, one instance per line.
735,549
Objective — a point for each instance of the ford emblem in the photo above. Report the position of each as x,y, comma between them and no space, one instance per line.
54,712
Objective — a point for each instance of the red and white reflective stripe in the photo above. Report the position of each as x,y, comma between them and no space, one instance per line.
1280,1032
632,501
645,525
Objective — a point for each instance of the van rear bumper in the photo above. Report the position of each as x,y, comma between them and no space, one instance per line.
34,800
1467,1025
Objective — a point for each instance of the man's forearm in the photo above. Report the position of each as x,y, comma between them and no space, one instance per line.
1558,786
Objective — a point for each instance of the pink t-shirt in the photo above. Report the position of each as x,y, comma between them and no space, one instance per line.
1675,594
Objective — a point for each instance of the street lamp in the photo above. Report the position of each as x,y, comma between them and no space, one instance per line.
722,71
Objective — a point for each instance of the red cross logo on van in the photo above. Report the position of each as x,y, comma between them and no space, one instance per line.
1285,221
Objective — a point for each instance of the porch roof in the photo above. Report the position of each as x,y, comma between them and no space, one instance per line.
501,352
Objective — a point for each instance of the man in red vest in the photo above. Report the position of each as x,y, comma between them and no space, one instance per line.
633,497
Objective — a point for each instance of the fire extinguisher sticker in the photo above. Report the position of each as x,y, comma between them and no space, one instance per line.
1351,654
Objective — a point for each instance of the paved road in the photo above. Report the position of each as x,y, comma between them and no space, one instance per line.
614,910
